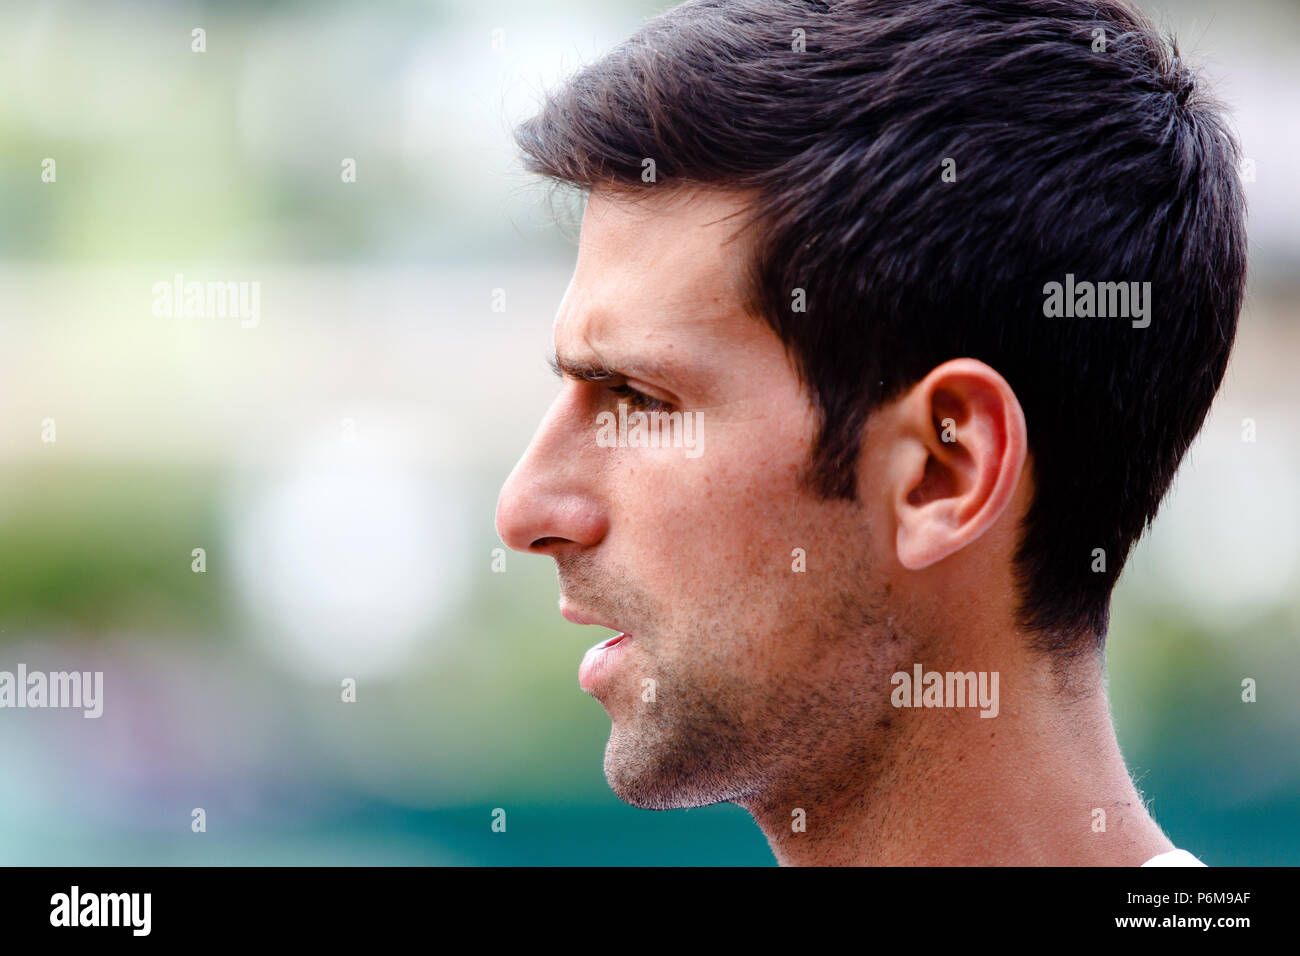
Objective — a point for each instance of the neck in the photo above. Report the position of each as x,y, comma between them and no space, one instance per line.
1042,783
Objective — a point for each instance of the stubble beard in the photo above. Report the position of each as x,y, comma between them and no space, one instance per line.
711,736
716,733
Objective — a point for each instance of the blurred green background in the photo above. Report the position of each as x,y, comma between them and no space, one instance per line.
339,462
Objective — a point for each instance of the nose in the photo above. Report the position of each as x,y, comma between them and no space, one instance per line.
551,500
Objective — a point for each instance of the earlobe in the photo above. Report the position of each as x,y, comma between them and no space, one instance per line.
961,448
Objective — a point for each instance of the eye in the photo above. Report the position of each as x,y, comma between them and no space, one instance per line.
638,400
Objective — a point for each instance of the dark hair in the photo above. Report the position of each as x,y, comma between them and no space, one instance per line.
1082,144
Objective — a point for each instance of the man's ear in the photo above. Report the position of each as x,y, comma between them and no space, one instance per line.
961,444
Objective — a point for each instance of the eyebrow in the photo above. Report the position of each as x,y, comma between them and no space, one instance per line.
600,372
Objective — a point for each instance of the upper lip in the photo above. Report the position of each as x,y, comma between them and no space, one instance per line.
576,616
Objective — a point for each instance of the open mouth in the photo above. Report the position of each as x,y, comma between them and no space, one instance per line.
595,672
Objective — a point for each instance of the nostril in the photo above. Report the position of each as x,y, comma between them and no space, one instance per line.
538,520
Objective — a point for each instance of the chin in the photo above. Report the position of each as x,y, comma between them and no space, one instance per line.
653,779
651,793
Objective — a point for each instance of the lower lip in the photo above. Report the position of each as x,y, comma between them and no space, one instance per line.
597,661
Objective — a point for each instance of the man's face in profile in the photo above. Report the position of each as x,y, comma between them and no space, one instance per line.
756,615
859,315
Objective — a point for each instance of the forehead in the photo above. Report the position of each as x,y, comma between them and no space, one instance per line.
656,274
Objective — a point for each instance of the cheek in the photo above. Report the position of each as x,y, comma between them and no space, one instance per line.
734,513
